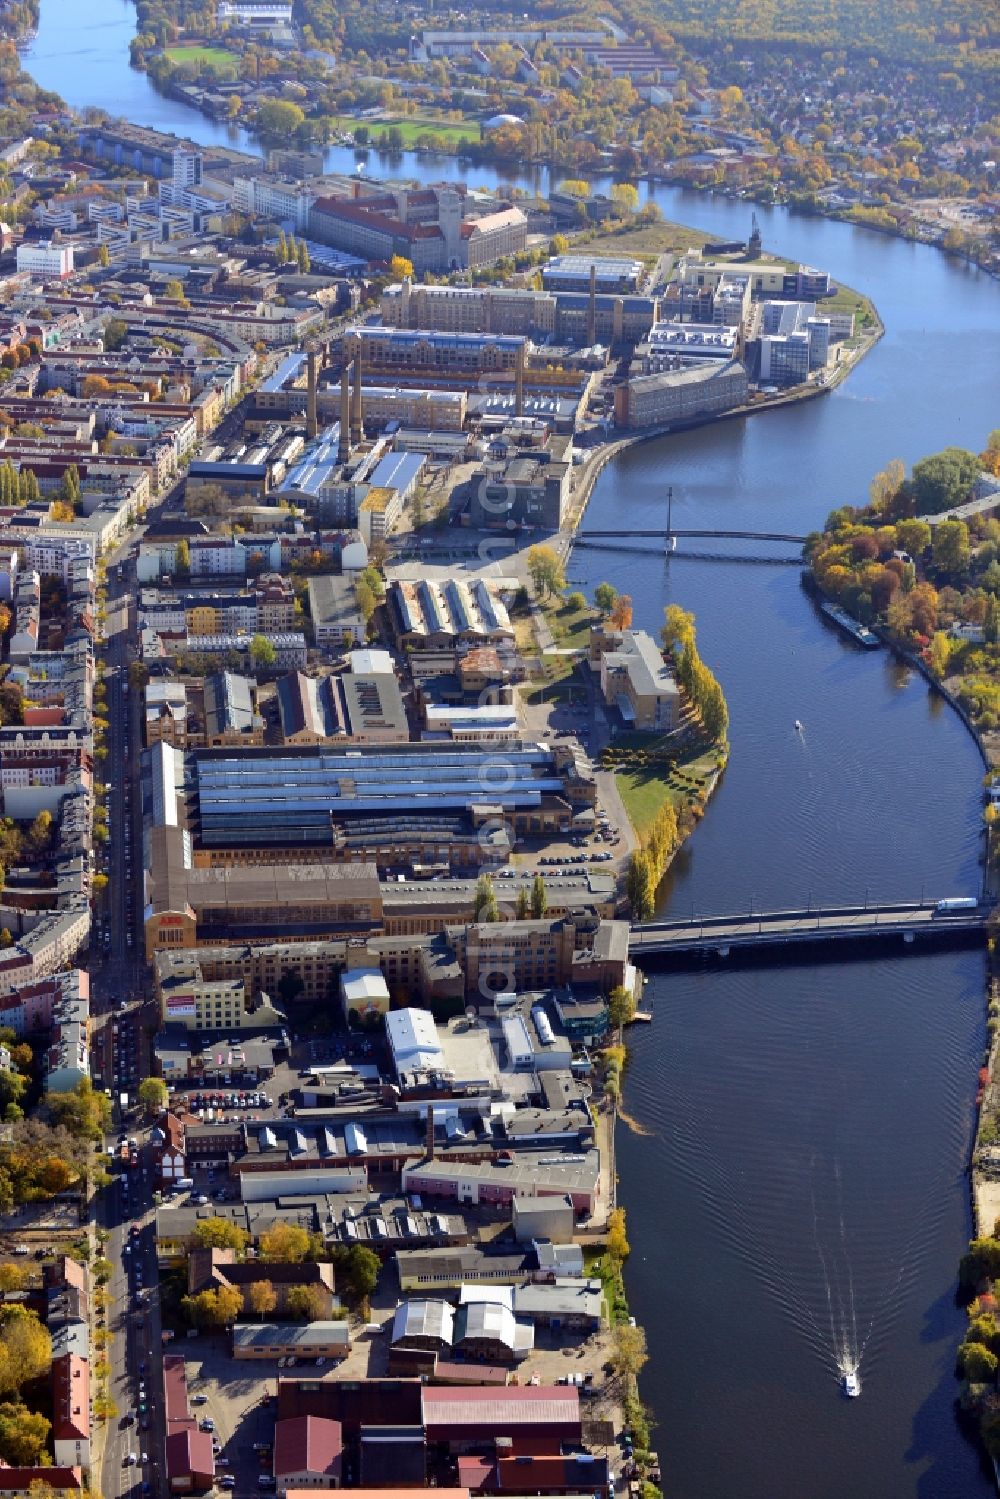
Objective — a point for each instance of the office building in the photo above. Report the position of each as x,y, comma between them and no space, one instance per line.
46,261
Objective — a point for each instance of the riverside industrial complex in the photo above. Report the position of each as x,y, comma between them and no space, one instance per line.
315,903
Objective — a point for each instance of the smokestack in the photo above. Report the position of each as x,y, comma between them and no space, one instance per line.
430,1132
357,415
519,383
312,422
344,448
592,307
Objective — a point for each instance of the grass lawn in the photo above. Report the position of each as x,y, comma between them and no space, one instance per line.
645,790
847,300
206,57
556,683
411,127
570,627
645,242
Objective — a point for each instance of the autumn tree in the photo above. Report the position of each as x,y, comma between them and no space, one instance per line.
546,570
621,612
621,1006
260,1298
305,1302
640,886
285,1244
12,1277
25,1349
24,1435
400,268
219,1233
628,1350
618,1244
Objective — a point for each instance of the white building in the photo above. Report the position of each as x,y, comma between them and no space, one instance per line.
413,1039
262,13
273,200
45,260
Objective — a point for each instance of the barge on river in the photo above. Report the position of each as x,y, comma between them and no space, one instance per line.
857,631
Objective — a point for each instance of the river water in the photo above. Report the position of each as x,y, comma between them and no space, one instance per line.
799,1191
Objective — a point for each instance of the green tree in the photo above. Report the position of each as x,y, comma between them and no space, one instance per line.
282,246
182,558
914,536
944,479
539,898
522,906
991,624
604,597
279,119
302,256
362,1271
546,570
153,1095
485,907
365,599
103,256
621,1006
219,1233
951,547
262,653
576,602
115,334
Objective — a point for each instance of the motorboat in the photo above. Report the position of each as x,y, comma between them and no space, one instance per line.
798,726
851,1383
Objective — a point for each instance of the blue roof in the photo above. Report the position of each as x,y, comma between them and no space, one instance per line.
316,464
289,368
398,470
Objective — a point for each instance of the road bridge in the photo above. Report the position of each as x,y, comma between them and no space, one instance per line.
665,535
914,924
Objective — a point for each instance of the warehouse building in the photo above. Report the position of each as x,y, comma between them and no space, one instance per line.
676,397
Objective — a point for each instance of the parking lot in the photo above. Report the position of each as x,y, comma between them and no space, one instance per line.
236,1398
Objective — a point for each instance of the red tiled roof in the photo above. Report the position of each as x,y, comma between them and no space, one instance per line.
307,1444
71,1398
19,1480
528,1405
189,1454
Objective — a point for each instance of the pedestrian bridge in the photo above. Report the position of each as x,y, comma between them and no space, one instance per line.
914,925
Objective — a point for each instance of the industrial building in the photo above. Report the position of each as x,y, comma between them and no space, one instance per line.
605,272
689,393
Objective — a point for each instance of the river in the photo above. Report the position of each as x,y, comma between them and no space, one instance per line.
801,1187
